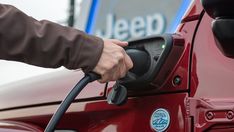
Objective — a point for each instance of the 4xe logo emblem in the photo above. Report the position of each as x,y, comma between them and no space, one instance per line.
160,120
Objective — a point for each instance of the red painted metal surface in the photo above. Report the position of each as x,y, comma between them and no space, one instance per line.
211,114
13,126
193,12
212,72
99,116
211,83
44,89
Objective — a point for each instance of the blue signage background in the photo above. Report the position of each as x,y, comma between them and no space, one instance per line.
171,27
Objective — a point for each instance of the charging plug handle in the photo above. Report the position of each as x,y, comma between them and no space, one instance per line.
140,59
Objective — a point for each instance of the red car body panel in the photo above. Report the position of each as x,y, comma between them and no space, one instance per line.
203,100
211,82
46,89
13,126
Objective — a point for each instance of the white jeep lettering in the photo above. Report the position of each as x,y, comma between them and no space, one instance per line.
137,27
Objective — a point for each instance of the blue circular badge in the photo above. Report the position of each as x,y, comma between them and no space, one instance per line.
160,120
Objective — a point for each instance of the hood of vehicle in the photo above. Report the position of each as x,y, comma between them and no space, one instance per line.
13,126
45,89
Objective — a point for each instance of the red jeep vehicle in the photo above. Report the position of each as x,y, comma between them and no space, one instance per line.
184,84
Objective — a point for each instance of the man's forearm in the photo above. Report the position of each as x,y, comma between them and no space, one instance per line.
44,43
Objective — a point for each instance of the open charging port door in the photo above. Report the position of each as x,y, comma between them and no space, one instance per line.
154,58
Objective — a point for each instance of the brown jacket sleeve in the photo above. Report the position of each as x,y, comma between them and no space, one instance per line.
45,44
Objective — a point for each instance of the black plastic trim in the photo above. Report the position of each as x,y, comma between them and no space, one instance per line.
219,8
223,30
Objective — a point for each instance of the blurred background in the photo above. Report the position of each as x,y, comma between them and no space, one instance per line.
120,19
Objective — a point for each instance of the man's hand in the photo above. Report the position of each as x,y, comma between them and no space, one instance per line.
114,62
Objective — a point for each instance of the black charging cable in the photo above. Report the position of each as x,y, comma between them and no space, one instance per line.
90,77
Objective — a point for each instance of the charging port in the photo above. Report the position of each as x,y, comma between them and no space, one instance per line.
149,56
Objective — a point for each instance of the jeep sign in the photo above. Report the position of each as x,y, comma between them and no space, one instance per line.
129,19
139,26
